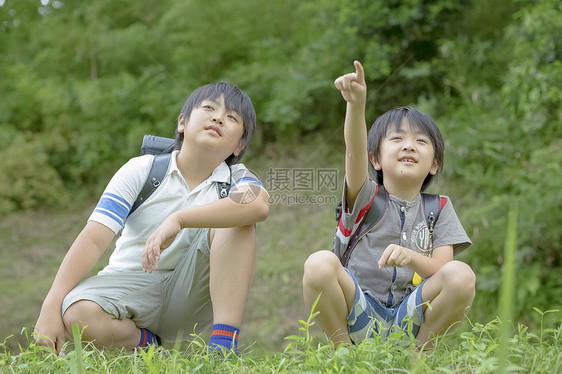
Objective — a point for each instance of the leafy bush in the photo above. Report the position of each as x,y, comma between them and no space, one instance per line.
29,180
89,79
503,141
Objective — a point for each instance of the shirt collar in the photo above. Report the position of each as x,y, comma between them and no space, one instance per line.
221,173
405,203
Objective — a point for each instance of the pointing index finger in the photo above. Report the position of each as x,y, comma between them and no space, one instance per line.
359,72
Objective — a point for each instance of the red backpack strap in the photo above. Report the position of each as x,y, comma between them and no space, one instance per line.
370,219
443,202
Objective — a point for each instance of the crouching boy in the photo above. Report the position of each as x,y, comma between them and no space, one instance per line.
402,269
185,258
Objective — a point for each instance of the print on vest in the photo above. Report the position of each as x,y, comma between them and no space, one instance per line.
421,238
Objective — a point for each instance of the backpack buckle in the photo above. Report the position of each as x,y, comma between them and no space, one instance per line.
223,190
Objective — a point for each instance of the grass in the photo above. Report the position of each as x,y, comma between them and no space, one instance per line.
475,350
278,334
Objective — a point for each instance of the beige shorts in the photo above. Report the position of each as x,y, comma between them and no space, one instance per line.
170,303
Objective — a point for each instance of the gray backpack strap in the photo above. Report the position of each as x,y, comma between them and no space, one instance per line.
372,217
153,180
432,206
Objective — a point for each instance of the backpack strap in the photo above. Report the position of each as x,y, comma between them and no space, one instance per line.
373,215
432,205
157,173
153,180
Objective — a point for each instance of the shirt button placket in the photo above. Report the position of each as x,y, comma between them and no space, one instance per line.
403,218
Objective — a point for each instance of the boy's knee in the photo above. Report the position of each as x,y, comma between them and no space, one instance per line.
82,313
460,277
240,239
320,267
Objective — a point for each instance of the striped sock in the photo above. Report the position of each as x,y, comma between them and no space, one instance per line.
224,336
148,338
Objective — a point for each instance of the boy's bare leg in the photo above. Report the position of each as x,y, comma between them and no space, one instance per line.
102,328
450,292
324,274
232,266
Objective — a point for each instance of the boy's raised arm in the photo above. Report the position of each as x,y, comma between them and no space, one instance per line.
354,90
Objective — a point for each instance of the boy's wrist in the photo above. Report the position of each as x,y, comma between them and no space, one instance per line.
52,303
356,107
179,218
356,114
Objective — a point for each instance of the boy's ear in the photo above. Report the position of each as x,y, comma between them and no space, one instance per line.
181,123
240,147
434,167
374,161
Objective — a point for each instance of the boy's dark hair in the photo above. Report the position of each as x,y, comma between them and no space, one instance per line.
235,100
393,119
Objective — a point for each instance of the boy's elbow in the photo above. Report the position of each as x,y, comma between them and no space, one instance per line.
255,210
263,210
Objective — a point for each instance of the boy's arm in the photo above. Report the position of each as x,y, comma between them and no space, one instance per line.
86,250
395,255
218,214
354,90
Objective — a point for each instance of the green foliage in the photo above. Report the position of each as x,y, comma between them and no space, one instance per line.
303,343
87,79
27,184
500,115
474,350
533,84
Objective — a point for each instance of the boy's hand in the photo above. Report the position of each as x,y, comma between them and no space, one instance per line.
395,255
352,86
160,239
49,330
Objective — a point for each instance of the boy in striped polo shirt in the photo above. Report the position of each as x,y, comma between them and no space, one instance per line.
185,257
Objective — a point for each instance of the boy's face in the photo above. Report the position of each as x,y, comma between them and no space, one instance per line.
405,155
214,127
